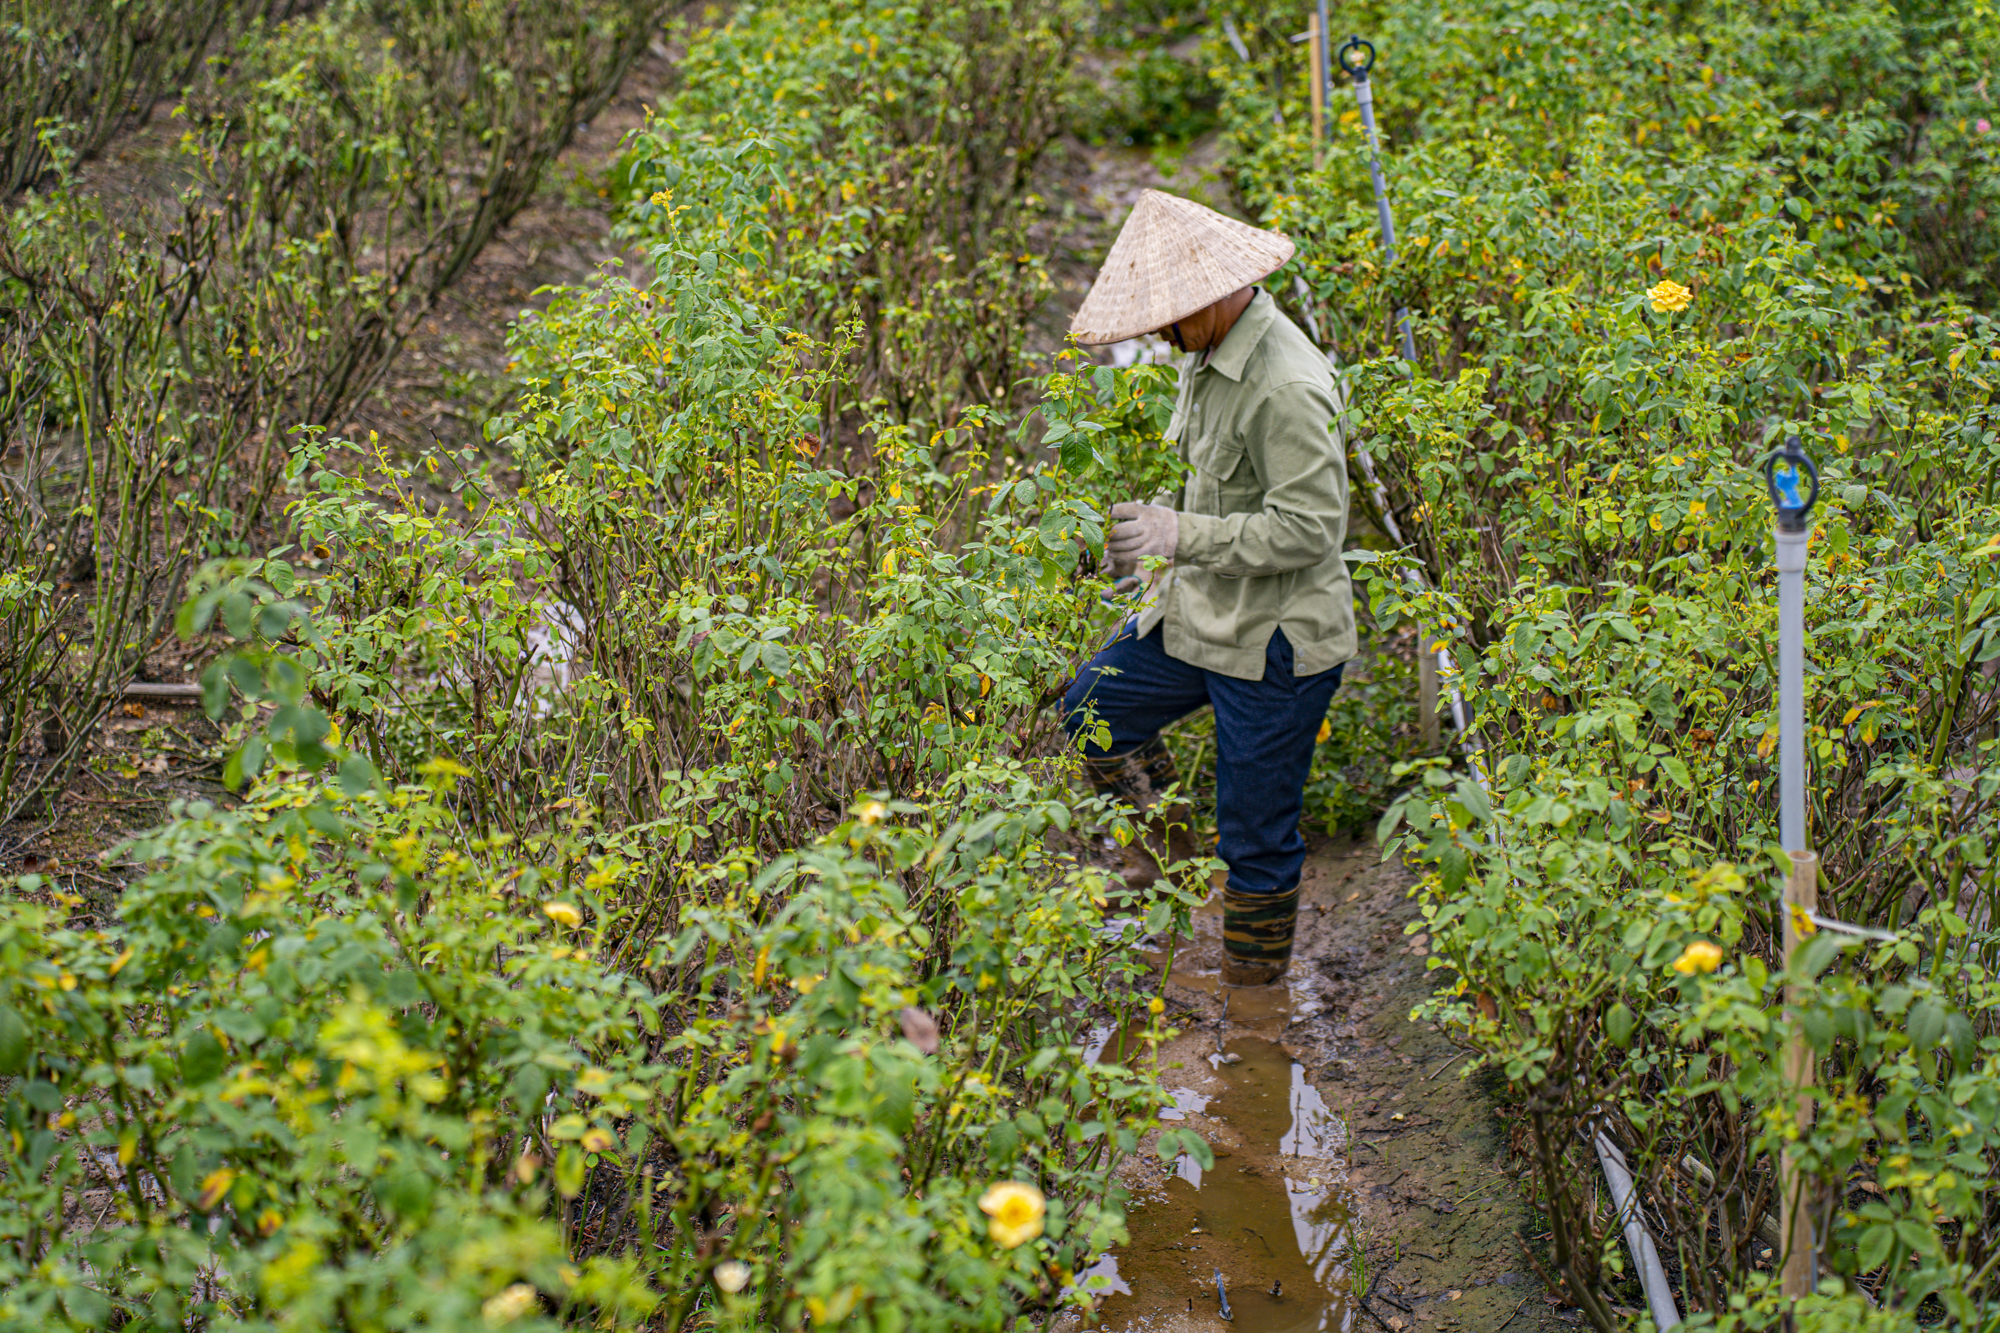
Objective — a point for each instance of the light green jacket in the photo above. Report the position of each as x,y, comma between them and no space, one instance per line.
1263,509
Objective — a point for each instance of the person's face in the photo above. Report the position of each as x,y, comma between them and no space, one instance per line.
1207,326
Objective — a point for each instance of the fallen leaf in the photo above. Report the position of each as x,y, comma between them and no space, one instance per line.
135,710
1396,1322
1454,1294
1352,896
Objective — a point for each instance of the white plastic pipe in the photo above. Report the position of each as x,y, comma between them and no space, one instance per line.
1364,97
1792,690
1652,1274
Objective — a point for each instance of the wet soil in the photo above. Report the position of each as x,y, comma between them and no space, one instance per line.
1360,1178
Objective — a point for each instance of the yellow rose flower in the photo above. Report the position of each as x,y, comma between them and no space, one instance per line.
1156,1006
1016,1210
562,914
1668,295
871,812
509,1305
1701,956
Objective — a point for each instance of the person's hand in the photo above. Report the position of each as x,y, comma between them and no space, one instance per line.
1139,531
1123,588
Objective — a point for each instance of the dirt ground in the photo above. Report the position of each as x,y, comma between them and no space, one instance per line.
1359,1177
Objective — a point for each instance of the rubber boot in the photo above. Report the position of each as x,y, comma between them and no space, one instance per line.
1257,931
1137,778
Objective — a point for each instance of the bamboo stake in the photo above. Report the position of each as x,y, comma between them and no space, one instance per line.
1315,65
1801,1253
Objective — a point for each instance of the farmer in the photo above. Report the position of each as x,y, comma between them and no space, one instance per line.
1242,598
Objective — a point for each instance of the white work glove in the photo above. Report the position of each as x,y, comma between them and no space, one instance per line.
1138,531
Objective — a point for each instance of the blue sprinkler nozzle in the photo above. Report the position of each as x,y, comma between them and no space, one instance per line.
1793,482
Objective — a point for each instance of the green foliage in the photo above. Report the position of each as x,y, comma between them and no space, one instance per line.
342,170
687,603
604,981
1577,457
1159,99
341,1050
74,76
865,173
362,157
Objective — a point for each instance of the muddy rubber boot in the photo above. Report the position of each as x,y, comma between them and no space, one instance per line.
1257,933
1137,777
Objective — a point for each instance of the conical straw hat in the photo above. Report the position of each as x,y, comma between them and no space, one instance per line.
1171,258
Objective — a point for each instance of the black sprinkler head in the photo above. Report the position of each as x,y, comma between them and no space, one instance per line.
1793,482
1356,57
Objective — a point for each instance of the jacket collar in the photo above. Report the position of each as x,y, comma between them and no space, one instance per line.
1243,337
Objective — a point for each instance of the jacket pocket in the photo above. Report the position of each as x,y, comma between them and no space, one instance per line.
1217,458
1221,483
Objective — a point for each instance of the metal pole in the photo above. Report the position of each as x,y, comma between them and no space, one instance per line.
1792,690
1357,58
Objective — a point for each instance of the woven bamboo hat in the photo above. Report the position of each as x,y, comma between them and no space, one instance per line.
1171,258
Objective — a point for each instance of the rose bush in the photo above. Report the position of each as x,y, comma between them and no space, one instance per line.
1642,249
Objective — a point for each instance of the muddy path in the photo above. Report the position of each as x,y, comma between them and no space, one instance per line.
1360,1180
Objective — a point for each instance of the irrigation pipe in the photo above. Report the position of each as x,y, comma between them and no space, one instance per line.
1794,485
1357,58
1652,1274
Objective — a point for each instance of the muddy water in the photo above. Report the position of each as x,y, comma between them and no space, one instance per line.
1262,1241
1358,1180
1271,1216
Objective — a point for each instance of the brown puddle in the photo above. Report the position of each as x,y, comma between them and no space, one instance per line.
1271,1215
1422,1230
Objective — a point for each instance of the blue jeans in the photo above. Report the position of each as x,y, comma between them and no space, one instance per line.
1265,731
